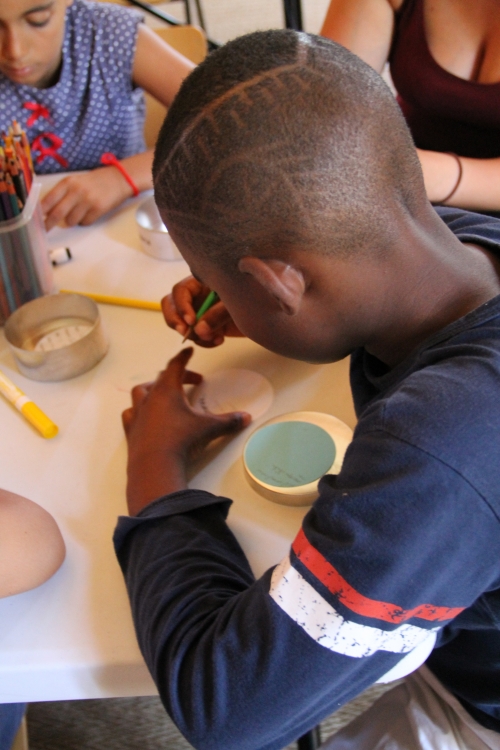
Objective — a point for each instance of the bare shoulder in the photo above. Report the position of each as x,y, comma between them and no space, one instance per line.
363,26
158,68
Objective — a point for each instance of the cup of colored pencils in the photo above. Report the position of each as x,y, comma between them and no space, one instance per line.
25,271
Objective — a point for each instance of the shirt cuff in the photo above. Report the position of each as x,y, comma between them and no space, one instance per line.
168,505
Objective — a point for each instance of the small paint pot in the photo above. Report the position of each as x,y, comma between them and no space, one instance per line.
286,457
56,337
154,236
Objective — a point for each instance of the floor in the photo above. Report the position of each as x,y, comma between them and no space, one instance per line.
136,724
141,723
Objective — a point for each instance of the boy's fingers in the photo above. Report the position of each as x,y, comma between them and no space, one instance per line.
179,310
212,321
139,392
192,378
237,419
172,317
173,375
226,424
127,418
184,296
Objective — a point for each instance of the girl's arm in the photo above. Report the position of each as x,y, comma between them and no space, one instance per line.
158,68
365,27
84,198
478,188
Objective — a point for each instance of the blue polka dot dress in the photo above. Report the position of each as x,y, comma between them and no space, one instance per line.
94,107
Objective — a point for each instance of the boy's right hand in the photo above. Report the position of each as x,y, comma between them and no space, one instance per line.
179,309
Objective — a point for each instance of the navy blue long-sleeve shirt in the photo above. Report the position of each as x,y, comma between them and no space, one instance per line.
402,546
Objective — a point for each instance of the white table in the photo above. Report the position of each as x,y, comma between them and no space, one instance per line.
73,637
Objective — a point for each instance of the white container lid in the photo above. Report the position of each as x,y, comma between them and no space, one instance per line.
286,457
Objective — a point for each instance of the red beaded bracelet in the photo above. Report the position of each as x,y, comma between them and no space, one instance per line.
110,160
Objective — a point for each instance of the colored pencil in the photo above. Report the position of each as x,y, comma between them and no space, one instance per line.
107,299
23,160
14,200
25,144
16,161
210,299
15,171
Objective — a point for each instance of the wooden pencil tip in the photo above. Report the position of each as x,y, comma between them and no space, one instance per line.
188,334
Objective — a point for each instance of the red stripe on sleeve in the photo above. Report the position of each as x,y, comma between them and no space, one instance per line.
362,605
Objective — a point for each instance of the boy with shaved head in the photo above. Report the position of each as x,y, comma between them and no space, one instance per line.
289,182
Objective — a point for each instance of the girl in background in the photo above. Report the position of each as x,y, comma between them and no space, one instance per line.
72,73
444,58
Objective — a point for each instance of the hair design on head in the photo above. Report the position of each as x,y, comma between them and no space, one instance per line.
283,139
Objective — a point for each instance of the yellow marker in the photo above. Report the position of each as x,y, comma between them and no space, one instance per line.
107,299
28,409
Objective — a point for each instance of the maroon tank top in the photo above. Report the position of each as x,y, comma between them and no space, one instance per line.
444,112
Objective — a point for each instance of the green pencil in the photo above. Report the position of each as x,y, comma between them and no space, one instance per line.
210,300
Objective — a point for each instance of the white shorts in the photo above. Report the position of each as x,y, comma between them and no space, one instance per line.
418,714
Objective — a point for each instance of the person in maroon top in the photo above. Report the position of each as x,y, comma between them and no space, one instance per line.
444,58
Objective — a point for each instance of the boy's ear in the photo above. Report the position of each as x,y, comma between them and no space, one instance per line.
282,281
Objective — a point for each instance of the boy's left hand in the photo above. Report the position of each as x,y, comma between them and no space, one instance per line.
84,198
164,433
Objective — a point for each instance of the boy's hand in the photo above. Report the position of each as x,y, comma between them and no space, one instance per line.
179,309
84,198
164,433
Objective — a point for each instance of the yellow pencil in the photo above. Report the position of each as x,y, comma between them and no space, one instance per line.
28,409
107,299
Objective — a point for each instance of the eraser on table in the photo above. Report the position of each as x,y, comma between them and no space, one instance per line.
60,255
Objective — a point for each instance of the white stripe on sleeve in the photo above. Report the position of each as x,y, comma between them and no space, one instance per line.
327,627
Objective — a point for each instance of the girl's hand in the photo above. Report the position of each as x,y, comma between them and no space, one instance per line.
84,198
164,433
179,309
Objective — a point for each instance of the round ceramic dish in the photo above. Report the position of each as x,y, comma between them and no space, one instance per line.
56,337
286,457
154,236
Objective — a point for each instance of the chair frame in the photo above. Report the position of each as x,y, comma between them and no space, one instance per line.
174,21
293,14
311,740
